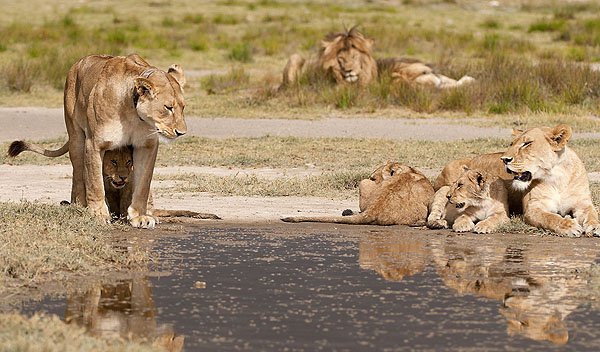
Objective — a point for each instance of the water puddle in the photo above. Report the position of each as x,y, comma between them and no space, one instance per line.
325,287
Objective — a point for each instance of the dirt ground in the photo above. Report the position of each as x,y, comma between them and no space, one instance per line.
51,184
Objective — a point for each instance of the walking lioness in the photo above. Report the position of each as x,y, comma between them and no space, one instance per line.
116,101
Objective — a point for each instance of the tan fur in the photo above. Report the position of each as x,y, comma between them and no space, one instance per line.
477,201
489,164
400,199
117,168
343,57
414,71
557,189
393,257
111,102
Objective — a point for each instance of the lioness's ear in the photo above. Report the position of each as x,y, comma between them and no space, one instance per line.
177,72
465,168
144,87
559,136
480,179
517,132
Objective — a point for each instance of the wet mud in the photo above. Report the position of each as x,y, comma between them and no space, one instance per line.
312,287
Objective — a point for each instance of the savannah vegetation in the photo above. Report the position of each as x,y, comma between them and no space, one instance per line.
530,57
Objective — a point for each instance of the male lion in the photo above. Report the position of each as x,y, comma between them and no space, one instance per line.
475,197
114,101
414,71
400,199
343,57
557,193
117,167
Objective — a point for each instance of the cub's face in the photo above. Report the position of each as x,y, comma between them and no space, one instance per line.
160,103
468,190
533,153
117,166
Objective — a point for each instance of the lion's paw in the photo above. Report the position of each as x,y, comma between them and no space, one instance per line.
569,227
463,225
485,227
143,222
437,224
592,230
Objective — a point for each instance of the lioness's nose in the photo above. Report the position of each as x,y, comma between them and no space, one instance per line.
506,159
179,133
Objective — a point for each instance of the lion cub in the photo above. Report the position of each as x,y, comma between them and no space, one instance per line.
117,169
476,201
400,198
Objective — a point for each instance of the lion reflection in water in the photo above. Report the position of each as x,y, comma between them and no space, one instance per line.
539,284
122,310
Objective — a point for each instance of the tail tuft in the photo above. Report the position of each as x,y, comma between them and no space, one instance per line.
347,212
289,219
16,148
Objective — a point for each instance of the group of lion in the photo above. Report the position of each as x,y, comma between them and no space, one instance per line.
117,108
538,176
347,58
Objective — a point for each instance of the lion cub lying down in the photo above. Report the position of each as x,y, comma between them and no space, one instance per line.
117,169
476,201
395,194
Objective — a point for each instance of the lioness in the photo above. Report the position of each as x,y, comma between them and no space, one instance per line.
557,193
414,71
343,57
400,199
477,201
117,167
114,101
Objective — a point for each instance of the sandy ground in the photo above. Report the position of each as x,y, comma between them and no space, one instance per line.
51,184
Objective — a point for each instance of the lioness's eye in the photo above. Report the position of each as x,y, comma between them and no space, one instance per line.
129,162
526,144
170,108
459,185
114,162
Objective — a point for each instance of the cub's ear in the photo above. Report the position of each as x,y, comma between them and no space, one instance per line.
516,132
143,87
559,136
177,72
464,168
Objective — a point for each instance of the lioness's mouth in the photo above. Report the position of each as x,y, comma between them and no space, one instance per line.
460,205
520,176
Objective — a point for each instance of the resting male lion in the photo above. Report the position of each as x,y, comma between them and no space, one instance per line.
400,199
414,71
343,57
114,101
117,167
557,192
477,201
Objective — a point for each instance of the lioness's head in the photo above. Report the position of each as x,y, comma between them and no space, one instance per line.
348,57
533,153
117,166
388,170
469,189
158,98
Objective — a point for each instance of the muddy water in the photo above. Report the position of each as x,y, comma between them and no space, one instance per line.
324,287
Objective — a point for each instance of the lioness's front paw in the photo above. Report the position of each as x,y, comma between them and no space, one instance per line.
143,222
437,224
592,230
463,225
569,227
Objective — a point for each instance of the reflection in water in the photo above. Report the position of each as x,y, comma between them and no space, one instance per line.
539,282
124,309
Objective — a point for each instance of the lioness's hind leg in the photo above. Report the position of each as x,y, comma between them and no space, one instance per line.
76,154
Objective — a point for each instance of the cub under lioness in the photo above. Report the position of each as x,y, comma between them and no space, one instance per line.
476,201
398,199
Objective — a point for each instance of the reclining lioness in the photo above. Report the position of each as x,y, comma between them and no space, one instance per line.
398,199
557,192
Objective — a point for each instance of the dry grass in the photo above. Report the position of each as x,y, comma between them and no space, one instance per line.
49,333
522,54
44,242
329,154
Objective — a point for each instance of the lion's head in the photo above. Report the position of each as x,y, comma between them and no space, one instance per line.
158,99
469,189
117,166
347,56
533,153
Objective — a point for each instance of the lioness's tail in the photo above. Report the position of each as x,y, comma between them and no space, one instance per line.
167,213
356,219
17,147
